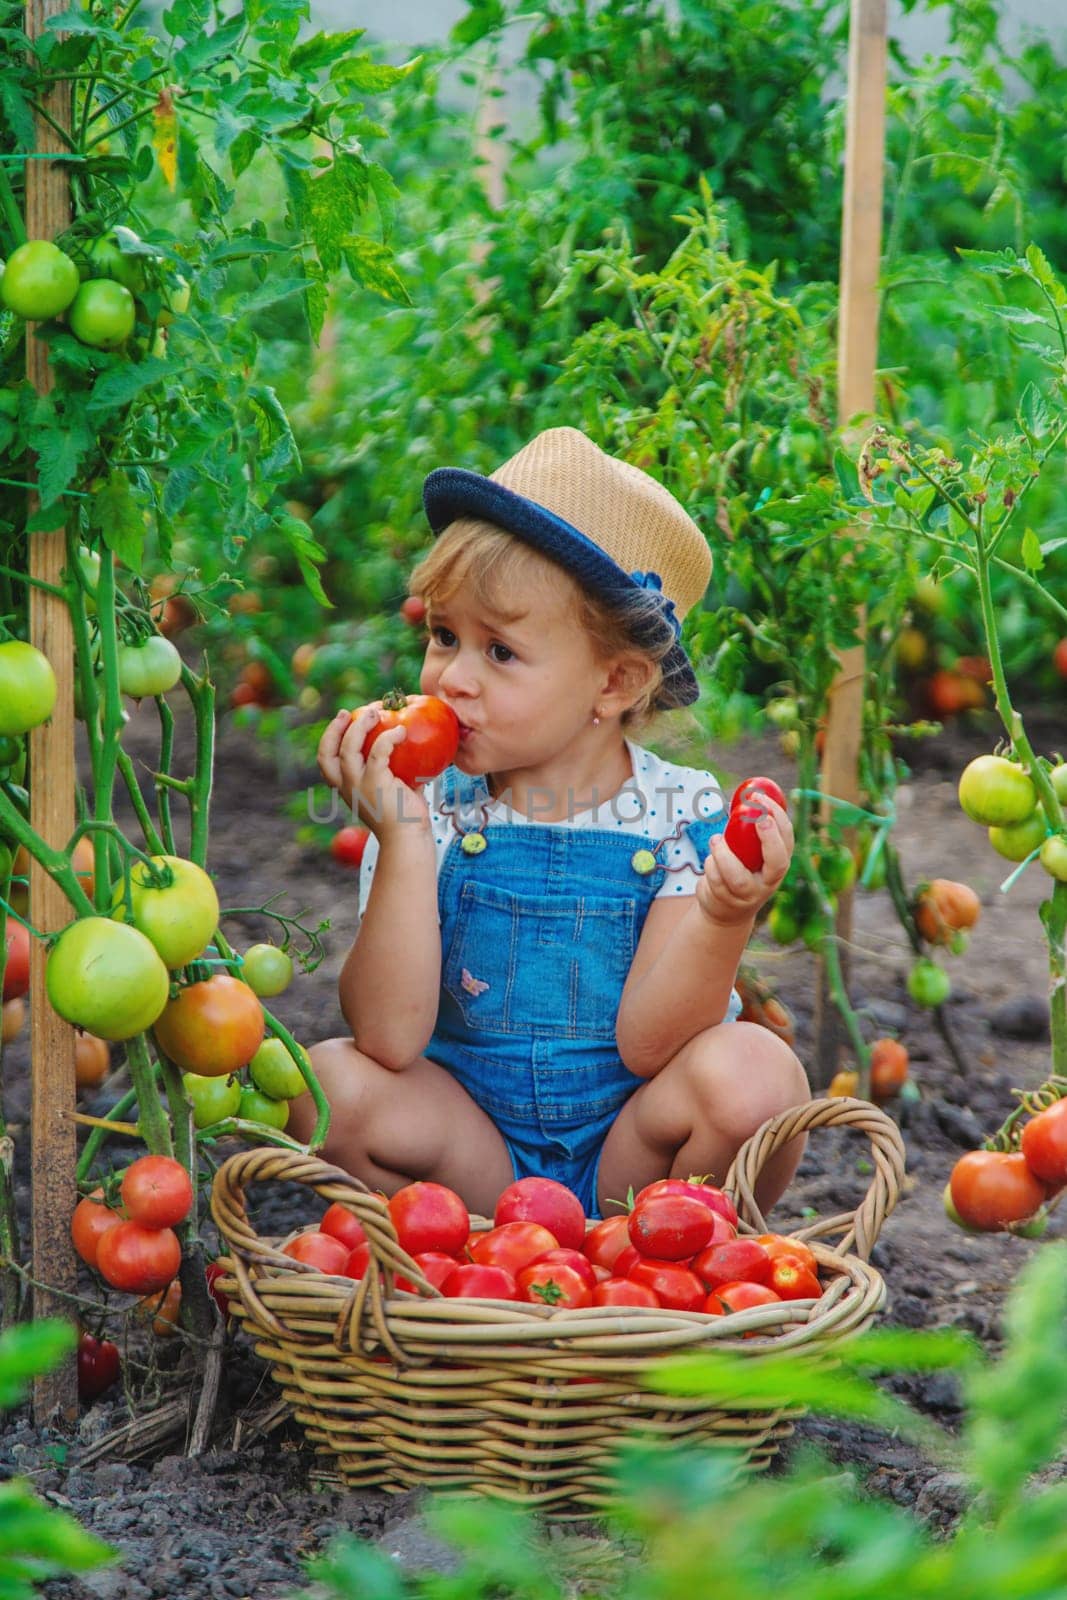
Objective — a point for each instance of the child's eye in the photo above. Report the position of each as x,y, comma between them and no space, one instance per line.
443,636
504,653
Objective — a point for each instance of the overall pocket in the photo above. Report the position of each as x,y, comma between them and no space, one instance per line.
547,966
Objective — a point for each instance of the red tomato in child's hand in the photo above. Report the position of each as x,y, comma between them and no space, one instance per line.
715,1199
552,1284
573,1259
736,1259
319,1250
752,786
742,835
429,1216
431,735
678,1288
471,1280
670,1227
606,1240
513,1245
339,1223
551,1204
624,1292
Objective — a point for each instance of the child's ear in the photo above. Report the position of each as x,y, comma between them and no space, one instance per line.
627,679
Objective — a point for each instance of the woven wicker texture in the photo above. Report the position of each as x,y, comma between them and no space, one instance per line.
529,1403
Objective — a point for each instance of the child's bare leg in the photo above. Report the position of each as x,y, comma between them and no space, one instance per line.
391,1128
693,1117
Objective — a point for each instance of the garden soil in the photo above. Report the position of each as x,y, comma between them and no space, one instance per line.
242,1518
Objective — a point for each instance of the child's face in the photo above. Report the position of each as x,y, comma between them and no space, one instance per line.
523,691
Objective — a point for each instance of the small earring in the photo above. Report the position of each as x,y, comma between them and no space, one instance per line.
596,720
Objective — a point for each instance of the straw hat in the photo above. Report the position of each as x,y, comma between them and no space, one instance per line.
607,523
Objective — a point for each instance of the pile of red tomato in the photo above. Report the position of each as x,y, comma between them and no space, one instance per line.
994,1190
677,1248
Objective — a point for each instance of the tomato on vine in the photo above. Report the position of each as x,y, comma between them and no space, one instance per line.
173,903
107,978
102,314
928,984
348,844
27,685
275,1073
213,1027
156,1191
996,792
267,970
39,281
17,968
138,1259
212,1099
149,668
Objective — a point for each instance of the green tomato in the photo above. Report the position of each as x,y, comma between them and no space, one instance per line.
109,259
782,923
149,668
12,758
1058,779
40,281
929,984
275,1073
1054,857
107,978
178,917
103,314
89,566
1016,841
836,866
27,687
176,297
256,1107
996,792
267,970
212,1099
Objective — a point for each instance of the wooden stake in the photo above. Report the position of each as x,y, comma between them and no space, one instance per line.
52,781
857,360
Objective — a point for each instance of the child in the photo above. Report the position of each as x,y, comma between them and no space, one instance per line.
542,980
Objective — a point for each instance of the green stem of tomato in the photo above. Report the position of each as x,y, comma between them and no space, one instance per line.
83,655
144,817
181,1117
10,208
106,764
151,1117
163,779
97,1136
55,862
201,692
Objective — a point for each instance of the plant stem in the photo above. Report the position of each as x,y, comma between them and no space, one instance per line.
201,692
155,1128
133,788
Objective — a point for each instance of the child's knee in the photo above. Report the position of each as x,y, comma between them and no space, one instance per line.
344,1074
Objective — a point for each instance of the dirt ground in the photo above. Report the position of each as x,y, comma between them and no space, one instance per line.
240,1522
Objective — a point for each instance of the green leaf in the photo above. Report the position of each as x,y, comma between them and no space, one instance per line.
119,520
371,264
29,1349
357,1570
483,17
322,49
60,452
307,551
53,1541
15,112
363,75
1031,551
119,385
331,204
847,475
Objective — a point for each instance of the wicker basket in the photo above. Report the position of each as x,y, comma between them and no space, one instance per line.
525,1402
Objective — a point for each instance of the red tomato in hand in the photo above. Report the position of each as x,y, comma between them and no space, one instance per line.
551,1283
156,1191
348,844
429,1216
513,1245
17,970
339,1223
91,1220
1044,1144
742,835
138,1259
606,1240
470,1280
431,735
678,1288
319,1250
736,1259
98,1365
715,1199
624,1292
992,1188
754,786
551,1204
670,1227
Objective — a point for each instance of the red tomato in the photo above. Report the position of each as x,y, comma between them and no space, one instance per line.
317,1249
435,1265
625,1260
715,1199
624,1292
429,1216
164,1308
213,1272
754,786
358,1261
156,1191
348,844
91,1220
738,1258
213,1027
573,1259
551,1283
670,1227
742,835
432,735
1044,1144
678,1288
138,1259
98,1365
792,1280
413,610
1059,657
606,1240
17,970
992,1188
469,1280
513,1245
92,1060
778,1244
339,1223
740,1297
551,1204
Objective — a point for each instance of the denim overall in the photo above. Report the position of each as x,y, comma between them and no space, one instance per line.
539,925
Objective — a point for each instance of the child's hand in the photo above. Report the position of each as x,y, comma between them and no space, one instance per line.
728,893
368,788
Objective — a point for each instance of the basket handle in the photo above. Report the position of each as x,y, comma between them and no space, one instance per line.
859,1229
364,1309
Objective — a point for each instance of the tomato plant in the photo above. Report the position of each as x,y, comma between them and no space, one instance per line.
928,984
431,732
1043,1143
267,970
213,1099
150,667
92,1060
17,969
138,1259
254,1106
107,978
544,1200
102,314
156,1191
274,1072
213,1027
90,1221
996,791
889,1068
173,903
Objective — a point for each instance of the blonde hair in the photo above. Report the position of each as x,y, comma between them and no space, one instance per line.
494,567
